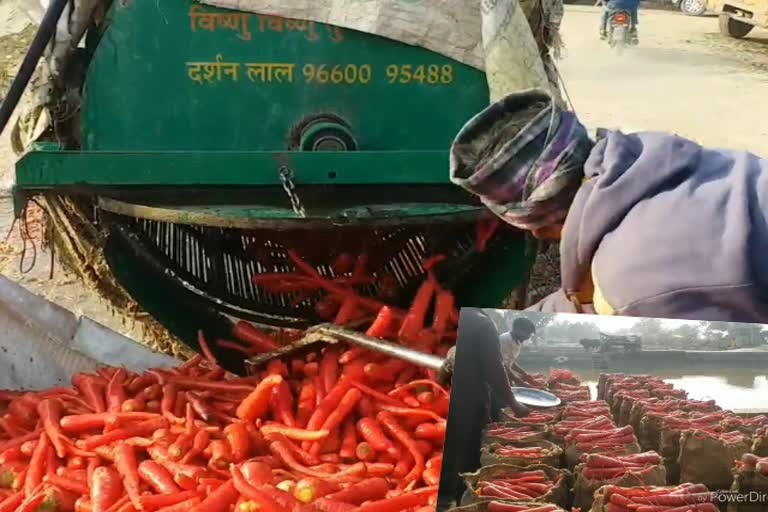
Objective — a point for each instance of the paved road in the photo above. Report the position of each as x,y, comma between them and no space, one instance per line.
684,77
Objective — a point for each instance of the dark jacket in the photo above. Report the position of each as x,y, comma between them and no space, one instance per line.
670,229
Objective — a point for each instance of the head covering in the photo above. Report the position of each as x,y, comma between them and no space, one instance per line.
527,173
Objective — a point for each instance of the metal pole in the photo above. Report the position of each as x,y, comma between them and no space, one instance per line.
384,347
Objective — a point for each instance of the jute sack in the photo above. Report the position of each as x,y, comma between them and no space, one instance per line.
669,449
552,455
708,460
649,434
751,484
559,494
760,443
602,503
584,488
482,506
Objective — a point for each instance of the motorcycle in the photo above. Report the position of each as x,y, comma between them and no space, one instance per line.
620,30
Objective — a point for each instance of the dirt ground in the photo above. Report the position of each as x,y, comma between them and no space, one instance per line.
684,77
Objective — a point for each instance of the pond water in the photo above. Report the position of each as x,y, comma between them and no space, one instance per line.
736,389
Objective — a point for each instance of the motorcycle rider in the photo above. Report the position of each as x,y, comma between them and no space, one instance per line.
631,6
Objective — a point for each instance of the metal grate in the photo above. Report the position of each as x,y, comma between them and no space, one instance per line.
218,264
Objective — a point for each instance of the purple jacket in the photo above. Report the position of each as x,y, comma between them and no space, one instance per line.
671,230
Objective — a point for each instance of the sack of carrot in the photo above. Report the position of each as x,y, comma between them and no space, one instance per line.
760,442
708,457
515,483
597,470
683,498
623,402
747,426
572,394
507,506
598,439
502,433
536,420
522,453
672,428
750,476
316,433
558,376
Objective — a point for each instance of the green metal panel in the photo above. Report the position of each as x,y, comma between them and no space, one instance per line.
175,75
218,168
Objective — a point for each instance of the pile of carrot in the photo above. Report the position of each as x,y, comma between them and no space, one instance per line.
511,433
533,452
567,386
752,461
343,302
538,418
684,498
598,423
604,467
587,439
538,381
585,410
331,432
522,485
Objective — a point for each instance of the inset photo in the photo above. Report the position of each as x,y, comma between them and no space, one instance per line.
578,413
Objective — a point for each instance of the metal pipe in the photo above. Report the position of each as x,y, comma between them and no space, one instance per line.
26,70
384,347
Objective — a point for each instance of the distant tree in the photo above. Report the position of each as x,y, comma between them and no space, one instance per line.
651,330
573,331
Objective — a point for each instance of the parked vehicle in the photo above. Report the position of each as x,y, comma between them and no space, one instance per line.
739,17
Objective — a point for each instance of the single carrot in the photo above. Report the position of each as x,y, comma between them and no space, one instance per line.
116,394
138,430
371,489
256,404
50,411
398,432
296,434
370,430
219,500
239,441
205,348
36,470
106,488
157,477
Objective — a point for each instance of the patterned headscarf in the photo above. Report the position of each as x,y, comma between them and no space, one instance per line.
526,176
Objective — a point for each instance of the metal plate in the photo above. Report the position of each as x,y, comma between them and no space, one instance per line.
535,397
